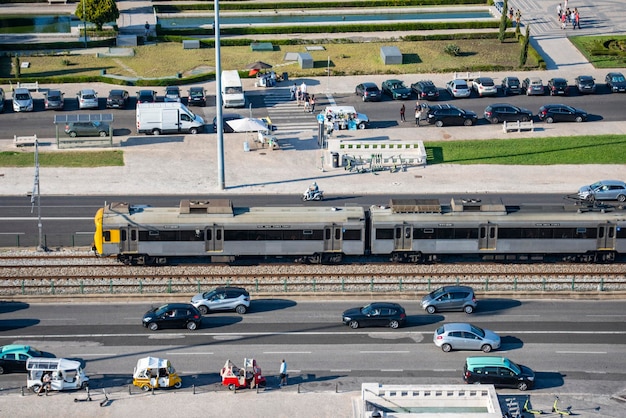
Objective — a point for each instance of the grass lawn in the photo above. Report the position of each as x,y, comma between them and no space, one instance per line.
602,51
63,159
168,59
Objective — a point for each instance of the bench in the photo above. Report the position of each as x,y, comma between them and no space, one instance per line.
21,141
261,46
191,44
30,86
469,77
518,126
57,1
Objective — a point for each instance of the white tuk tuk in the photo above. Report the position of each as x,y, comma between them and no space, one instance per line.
60,373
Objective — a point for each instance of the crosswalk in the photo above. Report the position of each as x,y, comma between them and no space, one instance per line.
286,114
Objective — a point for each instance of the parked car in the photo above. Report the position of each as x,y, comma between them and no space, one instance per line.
146,96
196,96
13,357
586,84
511,85
484,86
376,314
225,118
615,82
425,90
458,88
558,87
447,114
222,299
87,99
498,371
396,89
22,100
500,112
53,99
117,99
462,336
369,92
173,315
533,86
604,190
450,298
90,128
172,94
561,113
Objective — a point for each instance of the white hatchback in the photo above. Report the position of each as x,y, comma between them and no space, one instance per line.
458,88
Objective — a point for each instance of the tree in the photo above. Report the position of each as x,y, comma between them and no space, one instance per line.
524,55
503,21
98,12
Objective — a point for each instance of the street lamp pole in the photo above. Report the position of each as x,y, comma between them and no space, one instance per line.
221,181
84,24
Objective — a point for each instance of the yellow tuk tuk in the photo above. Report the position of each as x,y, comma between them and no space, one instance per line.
153,372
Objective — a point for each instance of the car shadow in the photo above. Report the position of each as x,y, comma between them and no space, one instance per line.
546,380
269,305
488,306
13,324
6,307
422,320
509,342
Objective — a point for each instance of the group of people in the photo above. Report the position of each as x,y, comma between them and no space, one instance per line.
517,15
418,113
565,14
302,97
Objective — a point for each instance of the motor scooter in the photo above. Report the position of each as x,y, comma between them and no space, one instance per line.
312,195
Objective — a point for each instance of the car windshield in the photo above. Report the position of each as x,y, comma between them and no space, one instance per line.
21,96
596,185
209,295
196,94
515,367
436,293
368,309
487,83
618,79
478,331
88,96
161,310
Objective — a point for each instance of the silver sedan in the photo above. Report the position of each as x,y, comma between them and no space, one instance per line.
462,336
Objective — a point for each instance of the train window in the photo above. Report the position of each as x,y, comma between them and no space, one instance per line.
601,234
407,232
337,234
327,234
352,235
209,235
611,232
465,233
384,233
195,235
445,233
398,233
423,233
509,233
124,236
133,235
218,235
492,232
483,231
621,232
106,236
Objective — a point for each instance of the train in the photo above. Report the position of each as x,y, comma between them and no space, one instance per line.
405,230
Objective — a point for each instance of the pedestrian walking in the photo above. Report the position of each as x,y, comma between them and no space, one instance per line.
572,18
292,90
298,96
563,21
402,111
559,12
312,103
577,16
147,27
518,17
307,102
418,113
511,13
283,373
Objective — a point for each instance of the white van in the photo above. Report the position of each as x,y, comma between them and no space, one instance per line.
232,89
344,117
172,117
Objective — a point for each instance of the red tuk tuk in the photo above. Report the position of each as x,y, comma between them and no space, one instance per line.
249,376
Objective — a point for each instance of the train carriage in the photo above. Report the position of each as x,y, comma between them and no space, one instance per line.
423,230
221,232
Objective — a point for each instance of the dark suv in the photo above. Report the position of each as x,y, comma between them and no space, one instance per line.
447,114
500,112
558,87
498,371
117,98
223,299
425,90
196,96
172,315
586,84
511,85
368,91
450,298
615,82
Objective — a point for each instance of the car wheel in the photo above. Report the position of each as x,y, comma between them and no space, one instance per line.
102,134
431,309
35,388
522,386
203,309
153,326
353,324
191,326
73,134
156,132
468,309
495,120
1,370
621,198
524,118
364,98
439,123
231,386
178,385
145,388
467,122
241,309
446,348
486,348
394,324
549,119
579,119
361,125
193,131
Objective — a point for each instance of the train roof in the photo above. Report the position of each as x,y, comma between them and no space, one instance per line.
492,209
222,211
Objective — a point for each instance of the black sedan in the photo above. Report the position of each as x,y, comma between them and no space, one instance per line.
376,314
117,99
447,114
586,84
146,96
558,86
173,315
561,113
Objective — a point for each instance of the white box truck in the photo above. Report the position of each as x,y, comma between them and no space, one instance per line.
173,117
232,90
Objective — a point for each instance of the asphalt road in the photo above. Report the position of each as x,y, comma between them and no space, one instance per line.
570,344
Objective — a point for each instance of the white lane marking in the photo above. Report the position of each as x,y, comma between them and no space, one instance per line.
581,352
93,354
605,316
58,319
392,370
384,352
446,370
340,370
287,352
175,353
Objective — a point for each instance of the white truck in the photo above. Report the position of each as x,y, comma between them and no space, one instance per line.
232,89
173,117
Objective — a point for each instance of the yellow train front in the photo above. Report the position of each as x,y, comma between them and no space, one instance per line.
216,230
